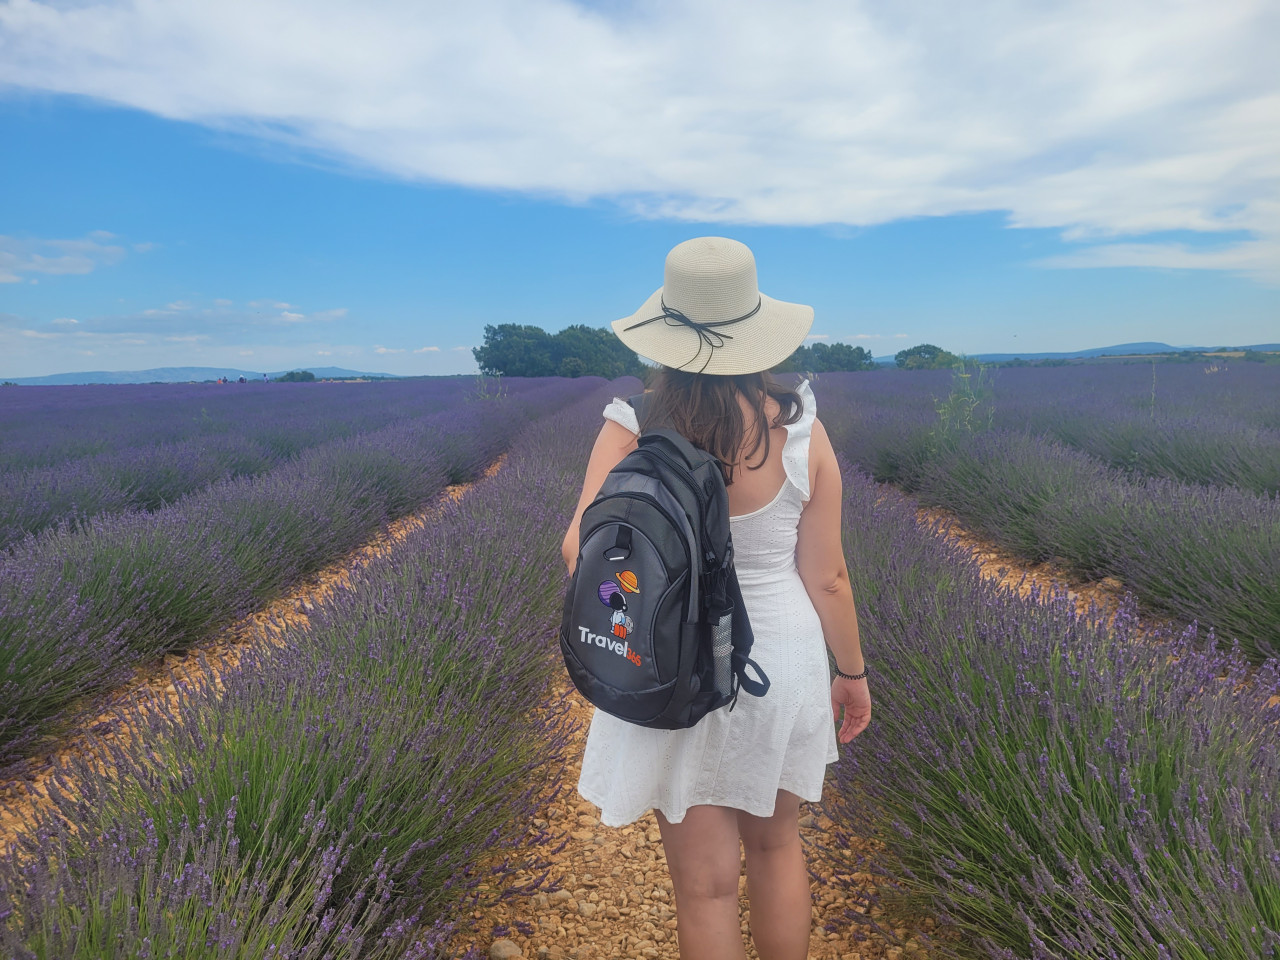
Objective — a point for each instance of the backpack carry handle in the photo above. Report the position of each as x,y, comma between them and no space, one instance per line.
679,442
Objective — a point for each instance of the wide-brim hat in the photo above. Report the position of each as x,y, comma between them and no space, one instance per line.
709,315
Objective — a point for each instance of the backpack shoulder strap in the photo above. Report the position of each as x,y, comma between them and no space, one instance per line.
685,448
639,403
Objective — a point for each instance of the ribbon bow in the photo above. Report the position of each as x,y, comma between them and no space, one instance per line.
707,335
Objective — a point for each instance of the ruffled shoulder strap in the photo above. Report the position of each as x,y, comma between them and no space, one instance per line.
619,411
795,453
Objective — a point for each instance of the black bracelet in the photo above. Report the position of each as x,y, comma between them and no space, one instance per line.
852,676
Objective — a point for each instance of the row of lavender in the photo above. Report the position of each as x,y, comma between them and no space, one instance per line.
346,794
81,606
47,426
1187,551
68,453
1050,786
1219,428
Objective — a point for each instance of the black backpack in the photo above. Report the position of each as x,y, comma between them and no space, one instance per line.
654,629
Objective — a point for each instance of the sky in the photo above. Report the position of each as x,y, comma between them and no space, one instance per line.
275,184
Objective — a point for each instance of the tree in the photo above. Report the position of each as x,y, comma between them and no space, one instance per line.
601,353
517,350
297,376
924,356
825,358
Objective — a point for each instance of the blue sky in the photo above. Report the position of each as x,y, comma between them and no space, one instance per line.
269,185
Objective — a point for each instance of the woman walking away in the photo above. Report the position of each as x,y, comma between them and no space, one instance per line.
738,776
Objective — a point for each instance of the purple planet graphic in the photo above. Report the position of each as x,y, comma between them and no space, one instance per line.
607,590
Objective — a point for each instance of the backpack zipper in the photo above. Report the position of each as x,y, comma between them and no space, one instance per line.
653,502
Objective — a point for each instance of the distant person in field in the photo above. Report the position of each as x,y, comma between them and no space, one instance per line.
740,775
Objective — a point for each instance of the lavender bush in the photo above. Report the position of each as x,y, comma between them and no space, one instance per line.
47,426
163,451
1050,787
1210,554
395,738
80,606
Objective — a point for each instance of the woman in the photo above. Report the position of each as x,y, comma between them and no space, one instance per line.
738,775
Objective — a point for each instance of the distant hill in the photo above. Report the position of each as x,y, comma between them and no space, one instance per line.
185,374
1118,350
180,375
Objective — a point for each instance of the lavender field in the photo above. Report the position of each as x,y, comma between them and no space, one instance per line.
1044,784
1176,496
84,601
285,817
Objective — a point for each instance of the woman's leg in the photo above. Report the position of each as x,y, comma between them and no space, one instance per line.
777,881
705,863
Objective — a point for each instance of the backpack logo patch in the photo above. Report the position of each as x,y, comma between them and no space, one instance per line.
613,594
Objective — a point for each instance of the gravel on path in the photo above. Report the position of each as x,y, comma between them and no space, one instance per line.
609,892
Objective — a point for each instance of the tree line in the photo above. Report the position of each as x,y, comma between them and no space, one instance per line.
523,350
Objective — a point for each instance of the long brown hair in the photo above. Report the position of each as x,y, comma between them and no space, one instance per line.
704,409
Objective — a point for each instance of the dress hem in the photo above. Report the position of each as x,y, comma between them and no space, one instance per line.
805,794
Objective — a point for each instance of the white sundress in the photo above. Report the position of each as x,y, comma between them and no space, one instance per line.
781,741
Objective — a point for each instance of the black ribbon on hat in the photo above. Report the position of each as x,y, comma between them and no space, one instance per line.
707,334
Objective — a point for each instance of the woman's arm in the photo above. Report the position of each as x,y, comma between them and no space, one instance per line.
612,444
820,561
820,555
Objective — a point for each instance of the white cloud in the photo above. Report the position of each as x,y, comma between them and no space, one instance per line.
65,321
1099,118
246,353
462,348
222,303
324,353
386,350
1258,258
20,255
427,350
818,336
178,305
320,316
191,338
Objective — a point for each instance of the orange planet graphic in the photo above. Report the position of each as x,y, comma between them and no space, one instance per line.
627,580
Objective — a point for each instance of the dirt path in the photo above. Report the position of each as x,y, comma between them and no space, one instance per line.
1018,574
614,896
155,682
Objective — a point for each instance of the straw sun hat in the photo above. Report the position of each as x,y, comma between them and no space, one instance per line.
709,315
